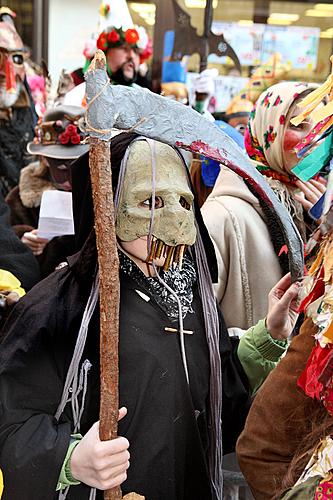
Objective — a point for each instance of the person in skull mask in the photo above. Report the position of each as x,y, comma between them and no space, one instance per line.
174,350
17,113
125,50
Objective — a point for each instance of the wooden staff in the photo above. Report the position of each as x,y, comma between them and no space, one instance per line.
109,291
109,288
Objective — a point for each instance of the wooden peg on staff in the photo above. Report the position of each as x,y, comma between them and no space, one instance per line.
109,287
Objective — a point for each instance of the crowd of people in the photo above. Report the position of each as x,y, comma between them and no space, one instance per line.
208,306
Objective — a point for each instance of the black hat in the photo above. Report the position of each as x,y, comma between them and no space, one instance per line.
59,135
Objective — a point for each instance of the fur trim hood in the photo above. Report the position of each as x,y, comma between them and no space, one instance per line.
33,182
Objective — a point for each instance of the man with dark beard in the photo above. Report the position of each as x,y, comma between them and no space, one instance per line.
125,50
17,115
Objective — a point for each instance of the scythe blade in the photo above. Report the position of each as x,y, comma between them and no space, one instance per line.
154,116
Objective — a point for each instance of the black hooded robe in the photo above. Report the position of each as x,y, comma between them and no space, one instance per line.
166,423
167,420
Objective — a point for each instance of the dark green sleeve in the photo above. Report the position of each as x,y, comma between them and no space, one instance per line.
306,490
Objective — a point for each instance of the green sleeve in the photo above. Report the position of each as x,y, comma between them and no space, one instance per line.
259,353
65,477
304,490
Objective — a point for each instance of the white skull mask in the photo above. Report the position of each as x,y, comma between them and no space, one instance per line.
173,220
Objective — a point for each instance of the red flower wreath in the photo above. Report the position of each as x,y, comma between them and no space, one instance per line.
113,36
131,36
102,42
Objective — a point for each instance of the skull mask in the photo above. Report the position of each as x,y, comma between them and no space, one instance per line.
12,71
172,219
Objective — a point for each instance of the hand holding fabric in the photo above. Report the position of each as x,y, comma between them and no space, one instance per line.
101,464
311,191
282,308
34,242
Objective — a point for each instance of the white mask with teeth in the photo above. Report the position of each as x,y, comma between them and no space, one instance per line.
173,218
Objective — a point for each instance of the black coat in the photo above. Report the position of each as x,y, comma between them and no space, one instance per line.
14,136
14,255
167,420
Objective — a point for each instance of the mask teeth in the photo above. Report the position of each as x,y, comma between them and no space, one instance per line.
176,255
159,249
169,256
183,249
151,255
179,254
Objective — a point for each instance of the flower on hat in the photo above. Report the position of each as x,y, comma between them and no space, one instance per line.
64,138
102,41
147,52
131,36
70,135
113,36
89,48
71,129
136,37
75,139
143,37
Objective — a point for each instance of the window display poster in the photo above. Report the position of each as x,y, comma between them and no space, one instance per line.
296,44
255,44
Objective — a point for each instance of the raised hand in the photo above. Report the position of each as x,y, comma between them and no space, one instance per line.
282,308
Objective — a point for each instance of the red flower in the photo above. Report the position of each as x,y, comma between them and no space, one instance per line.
64,138
147,52
75,139
102,42
113,36
131,36
296,95
71,129
282,119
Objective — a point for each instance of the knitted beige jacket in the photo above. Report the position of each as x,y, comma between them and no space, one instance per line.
247,263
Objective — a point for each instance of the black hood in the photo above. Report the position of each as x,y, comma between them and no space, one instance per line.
83,211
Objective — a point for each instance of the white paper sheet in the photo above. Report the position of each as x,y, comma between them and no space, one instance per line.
56,214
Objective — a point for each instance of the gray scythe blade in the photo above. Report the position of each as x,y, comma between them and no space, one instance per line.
155,117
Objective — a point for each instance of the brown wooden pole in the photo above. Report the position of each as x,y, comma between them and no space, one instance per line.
109,291
109,287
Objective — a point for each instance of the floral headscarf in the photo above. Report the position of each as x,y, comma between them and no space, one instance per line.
264,135
264,142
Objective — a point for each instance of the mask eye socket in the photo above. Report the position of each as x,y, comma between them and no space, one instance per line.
148,203
184,203
18,59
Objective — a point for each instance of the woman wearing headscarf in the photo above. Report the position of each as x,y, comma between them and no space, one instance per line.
270,140
249,247
174,350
